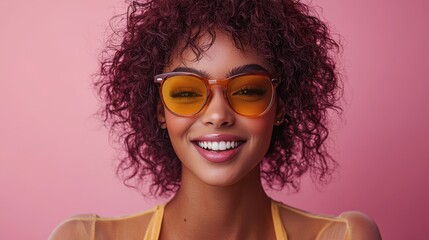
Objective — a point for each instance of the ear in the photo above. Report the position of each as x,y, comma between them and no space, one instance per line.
280,112
160,115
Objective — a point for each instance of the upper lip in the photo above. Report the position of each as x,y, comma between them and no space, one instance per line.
217,138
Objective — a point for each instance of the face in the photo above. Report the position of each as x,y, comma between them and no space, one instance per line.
217,146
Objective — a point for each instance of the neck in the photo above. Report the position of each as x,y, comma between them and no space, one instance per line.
202,211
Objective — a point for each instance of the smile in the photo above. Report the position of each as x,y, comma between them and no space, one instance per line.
219,146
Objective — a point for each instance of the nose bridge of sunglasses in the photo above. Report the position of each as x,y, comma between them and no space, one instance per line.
221,82
218,83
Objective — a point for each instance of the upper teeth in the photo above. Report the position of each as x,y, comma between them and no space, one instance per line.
222,145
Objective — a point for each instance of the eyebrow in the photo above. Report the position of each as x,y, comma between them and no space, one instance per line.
246,68
234,71
201,73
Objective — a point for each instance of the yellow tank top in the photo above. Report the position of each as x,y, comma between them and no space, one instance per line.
154,227
92,227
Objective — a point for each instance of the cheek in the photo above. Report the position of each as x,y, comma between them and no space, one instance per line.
261,128
177,127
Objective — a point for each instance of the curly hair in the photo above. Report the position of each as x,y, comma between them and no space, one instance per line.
285,33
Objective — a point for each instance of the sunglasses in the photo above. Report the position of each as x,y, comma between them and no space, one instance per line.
186,94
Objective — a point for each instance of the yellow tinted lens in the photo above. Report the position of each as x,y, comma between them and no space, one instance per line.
184,95
250,95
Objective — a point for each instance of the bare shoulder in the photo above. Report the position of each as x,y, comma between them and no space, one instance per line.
93,227
77,227
300,224
125,227
361,226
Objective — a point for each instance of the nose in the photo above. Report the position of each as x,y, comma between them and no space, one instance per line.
218,113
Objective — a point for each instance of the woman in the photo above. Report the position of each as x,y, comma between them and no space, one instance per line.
211,99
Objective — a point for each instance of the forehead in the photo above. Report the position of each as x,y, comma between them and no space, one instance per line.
218,59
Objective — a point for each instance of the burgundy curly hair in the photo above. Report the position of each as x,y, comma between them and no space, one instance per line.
285,33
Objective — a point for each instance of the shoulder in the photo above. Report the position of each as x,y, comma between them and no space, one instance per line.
300,224
348,225
125,227
361,226
93,227
77,227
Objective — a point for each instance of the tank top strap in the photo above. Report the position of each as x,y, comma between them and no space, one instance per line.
154,227
279,229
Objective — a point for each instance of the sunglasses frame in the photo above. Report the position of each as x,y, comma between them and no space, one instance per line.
159,79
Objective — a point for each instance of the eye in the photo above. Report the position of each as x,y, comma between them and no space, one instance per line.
250,90
185,93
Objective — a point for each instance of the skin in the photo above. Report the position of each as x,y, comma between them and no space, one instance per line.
219,195
222,200
226,200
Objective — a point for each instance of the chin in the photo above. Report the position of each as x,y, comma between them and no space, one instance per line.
219,181
223,178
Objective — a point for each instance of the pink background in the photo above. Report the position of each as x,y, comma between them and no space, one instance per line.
55,157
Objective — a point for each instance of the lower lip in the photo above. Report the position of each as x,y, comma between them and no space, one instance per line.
218,156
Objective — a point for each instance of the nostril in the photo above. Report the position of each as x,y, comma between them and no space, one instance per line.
217,119
224,124
218,113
